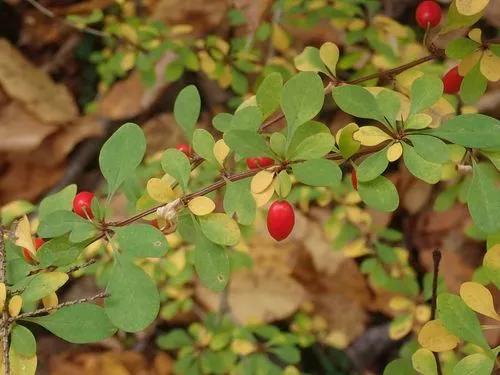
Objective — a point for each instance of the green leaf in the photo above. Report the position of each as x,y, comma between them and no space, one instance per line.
473,86
459,319
43,284
277,142
318,172
175,339
203,145
348,146
176,164
134,302
484,198
494,157
455,20
474,364
357,101
23,341
430,148
419,167
309,60
269,94
59,252
60,222
62,200
425,91
211,263
248,118
79,324
471,130
222,121
399,367
238,200
389,103
121,154
301,100
283,184
187,109
311,140
424,362
461,47
141,240
82,231
247,143
287,353
220,228
380,194
373,166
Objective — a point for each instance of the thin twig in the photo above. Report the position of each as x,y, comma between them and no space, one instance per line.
5,315
436,257
46,310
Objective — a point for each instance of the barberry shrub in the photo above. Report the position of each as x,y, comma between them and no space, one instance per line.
410,123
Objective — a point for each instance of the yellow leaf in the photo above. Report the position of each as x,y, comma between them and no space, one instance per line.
178,258
221,151
261,181
329,53
394,152
19,364
399,303
337,339
207,63
50,301
356,248
23,235
469,62
14,210
475,34
491,259
181,29
262,198
160,190
3,295
128,32
422,313
400,327
470,7
242,347
371,136
201,206
279,38
479,299
15,305
490,66
435,337
226,77
174,240
128,61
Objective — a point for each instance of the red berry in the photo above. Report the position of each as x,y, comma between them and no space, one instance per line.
28,257
354,179
82,204
280,220
259,162
452,81
185,148
428,13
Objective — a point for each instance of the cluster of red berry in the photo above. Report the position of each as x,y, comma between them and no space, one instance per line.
428,15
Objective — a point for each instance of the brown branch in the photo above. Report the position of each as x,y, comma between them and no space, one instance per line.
46,310
5,316
436,257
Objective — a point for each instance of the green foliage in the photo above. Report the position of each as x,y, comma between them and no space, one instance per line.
187,109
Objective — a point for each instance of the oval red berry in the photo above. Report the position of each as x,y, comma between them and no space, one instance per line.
82,204
452,81
259,162
185,148
280,220
428,14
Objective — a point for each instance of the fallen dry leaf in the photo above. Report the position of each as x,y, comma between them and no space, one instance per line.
50,102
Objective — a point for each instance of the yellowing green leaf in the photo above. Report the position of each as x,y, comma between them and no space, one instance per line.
418,121
424,362
435,337
469,62
401,326
201,206
371,136
479,299
491,262
329,53
221,151
470,7
15,209
475,34
279,38
262,198
242,347
261,181
394,152
23,235
15,304
309,61
489,66
160,190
